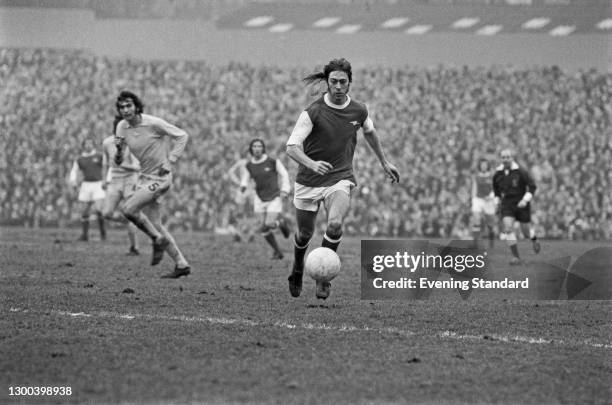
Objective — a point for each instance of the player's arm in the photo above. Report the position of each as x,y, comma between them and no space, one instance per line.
106,173
371,136
295,146
180,138
131,163
235,172
245,177
283,177
530,188
496,190
119,145
73,177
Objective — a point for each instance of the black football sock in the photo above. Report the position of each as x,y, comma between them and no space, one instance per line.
514,250
144,224
269,237
85,227
101,225
475,233
331,242
299,251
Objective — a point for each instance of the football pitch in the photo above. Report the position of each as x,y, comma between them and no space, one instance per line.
88,317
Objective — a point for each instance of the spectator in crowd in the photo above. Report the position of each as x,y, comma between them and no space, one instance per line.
559,123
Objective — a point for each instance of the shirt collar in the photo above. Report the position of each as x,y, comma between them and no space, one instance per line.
332,105
513,166
261,159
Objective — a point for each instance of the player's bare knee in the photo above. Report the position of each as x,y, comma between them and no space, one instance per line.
334,229
269,224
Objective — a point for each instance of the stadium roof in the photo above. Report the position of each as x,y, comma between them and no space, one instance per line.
476,17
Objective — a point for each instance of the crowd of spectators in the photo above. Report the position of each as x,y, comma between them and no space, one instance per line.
435,124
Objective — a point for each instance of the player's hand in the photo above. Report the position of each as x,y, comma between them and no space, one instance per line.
283,195
104,185
321,167
119,156
164,169
522,204
391,172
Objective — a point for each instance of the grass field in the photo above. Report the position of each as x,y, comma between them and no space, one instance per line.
86,316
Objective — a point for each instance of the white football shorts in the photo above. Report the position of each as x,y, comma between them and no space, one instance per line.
91,191
275,205
484,206
308,198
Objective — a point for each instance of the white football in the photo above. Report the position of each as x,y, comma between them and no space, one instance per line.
322,264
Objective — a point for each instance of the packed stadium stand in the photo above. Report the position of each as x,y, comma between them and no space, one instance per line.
434,121
415,17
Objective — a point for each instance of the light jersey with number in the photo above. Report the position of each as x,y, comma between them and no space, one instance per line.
265,176
128,166
332,138
484,184
146,142
91,166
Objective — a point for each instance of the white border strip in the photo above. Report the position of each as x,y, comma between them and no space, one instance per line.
316,326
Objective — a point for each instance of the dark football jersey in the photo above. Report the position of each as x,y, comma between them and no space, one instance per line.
91,167
484,186
265,176
332,139
512,184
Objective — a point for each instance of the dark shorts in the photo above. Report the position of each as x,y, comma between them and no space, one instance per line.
511,209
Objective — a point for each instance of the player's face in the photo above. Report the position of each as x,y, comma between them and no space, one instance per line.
88,145
483,166
506,158
338,86
257,149
127,109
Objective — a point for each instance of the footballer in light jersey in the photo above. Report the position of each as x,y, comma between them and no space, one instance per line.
119,184
87,170
146,135
483,202
323,143
271,188
514,188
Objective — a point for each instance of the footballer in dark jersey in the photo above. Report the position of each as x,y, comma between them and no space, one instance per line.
514,188
271,188
87,170
323,143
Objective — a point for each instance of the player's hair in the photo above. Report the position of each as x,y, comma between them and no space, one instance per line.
116,122
483,160
341,65
253,142
85,140
128,95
